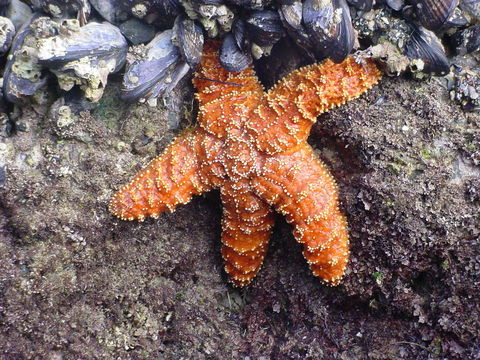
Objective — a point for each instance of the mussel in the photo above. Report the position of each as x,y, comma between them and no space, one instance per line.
157,69
23,76
235,52
433,14
265,27
232,57
239,31
83,55
18,12
136,31
291,15
329,26
396,5
110,10
187,35
425,47
362,5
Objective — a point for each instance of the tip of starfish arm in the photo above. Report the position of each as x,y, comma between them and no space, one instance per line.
124,206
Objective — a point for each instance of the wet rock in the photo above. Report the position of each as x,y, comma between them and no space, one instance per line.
79,281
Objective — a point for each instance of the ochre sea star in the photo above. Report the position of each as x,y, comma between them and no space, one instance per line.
252,145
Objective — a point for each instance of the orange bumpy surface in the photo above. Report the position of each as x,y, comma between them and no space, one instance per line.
251,144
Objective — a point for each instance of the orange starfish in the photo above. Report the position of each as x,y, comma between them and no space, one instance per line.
252,145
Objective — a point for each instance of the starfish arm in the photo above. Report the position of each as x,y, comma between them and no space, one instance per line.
246,229
307,196
286,114
223,95
170,179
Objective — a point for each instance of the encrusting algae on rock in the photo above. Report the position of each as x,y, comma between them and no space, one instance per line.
252,145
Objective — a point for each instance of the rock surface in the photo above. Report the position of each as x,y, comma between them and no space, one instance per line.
77,283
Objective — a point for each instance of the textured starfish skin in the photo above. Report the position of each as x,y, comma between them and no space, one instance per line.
252,145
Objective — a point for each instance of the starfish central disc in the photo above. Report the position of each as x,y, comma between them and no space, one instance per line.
251,145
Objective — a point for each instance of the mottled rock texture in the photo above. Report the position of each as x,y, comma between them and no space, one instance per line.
75,282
